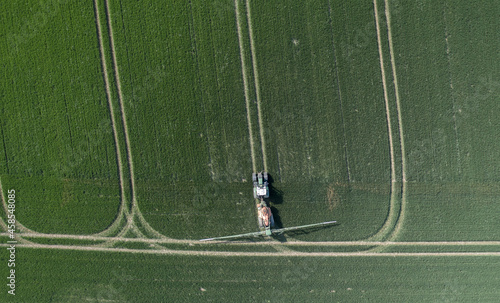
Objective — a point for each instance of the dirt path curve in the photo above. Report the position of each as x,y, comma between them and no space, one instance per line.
394,203
135,212
121,212
404,191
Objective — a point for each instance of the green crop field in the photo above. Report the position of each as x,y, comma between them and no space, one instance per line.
57,152
117,277
131,130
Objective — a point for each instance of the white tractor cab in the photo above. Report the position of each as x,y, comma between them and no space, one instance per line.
260,185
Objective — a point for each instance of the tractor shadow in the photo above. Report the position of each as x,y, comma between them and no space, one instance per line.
276,198
311,230
275,195
277,224
282,238
277,218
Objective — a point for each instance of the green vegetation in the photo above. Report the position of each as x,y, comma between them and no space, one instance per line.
213,90
62,241
191,137
64,276
186,116
452,212
225,247
68,206
451,85
57,148
449,91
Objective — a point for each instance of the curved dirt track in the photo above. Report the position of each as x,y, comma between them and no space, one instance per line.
399,224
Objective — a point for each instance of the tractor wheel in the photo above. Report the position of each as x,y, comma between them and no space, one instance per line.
254,177
265,176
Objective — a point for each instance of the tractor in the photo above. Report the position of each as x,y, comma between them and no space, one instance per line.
260,185
265,215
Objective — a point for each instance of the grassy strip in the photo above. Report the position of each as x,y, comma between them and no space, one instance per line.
199,121
64,276
63,241
62,137
330,248
449,84
134,245
363,99
228,247
442,249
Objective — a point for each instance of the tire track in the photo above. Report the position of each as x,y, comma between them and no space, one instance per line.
122,210
402,212
135,212
165,251
396,90
263,243
257,85
125,208
386,97
394,206
245,83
